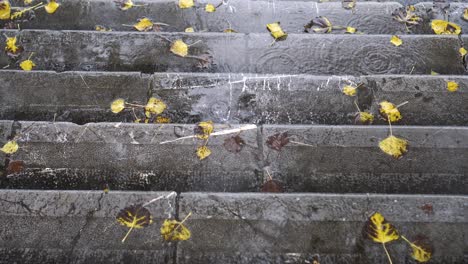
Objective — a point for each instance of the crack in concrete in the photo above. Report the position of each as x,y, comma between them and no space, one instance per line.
25,206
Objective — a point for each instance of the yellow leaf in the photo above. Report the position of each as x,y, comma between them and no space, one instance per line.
434,73
28,2
210,8
366,117
144,24
390,111
102,28
11,45
126,5
10,147
395,40
135,216
379,230
350,30
204,129
138,120
445,27
276,31
393,146
172,230
186,3
163,120
465,14
179,47
462,51
203,152
189,30
117,106
452,86
229,30
421,251
27,65
5,10
155,106
51,7
349,90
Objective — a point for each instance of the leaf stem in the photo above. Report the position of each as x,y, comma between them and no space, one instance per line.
402,104
128,233
357,106
390,124
388,255
136,105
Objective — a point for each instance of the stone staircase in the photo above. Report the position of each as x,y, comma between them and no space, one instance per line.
308,201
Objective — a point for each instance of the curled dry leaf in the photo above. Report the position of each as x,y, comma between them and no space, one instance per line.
364,118
395,40
350,90
406,15
5,10
134,217
15,166
276,31
229,30
210,8
144,24
394,146
186,3
12,49
117,106
155,106
203,152
452,86
442,27
163,120
272,186
278,141
319,25
189,30
462,51
102,28
389,111
234,144
204,129
422,250
179,48
172,230
51,7
350,30
27,65
465,14
348,4
10,147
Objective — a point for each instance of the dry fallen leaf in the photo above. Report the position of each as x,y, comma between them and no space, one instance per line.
444,27
229,30
210,8
422,250
179,47
117,106
163,120
134,216
380,231
365,118
272,186
395,40
434,73
172,230
204,129
350,30
27,65
125,4
186,3
465,14
319,25
462,51
15,166
203,152
51,7
189,30
276,31
406,15
348,4
278,141
350,90
12,49
10,147
389,111
394,146
102,28
144,24
234,144
5,10
155,106
452,86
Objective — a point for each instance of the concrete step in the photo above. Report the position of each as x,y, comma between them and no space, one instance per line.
83,97
243,16
340,159
236,53
81,227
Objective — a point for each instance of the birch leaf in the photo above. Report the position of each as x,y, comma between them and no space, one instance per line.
348,4
234,144
452,86
272,186
179,47
365,118
351,30
349,90
210,8
10,147
395,40
117,106
125,5
278,141
465,14
163,120
186,3
319,25
5,10
11,49
379,230
422,251
144,24
442,27
203,152
189,30
134,217
27,65
394,146
276,31
229,30
204,129
51,7
462,51
15,166
155,106
390,111
102,28
172,230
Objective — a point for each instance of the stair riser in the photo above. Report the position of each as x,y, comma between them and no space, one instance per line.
235,53
66,156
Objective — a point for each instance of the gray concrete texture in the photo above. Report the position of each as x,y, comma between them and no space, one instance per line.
338,159
243,16
237,53
80,227
286,228
83,97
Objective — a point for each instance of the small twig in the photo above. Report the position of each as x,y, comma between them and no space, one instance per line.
223,132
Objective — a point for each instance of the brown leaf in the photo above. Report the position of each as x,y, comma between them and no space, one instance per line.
234,144
427,208
277,141
272,186
15,166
